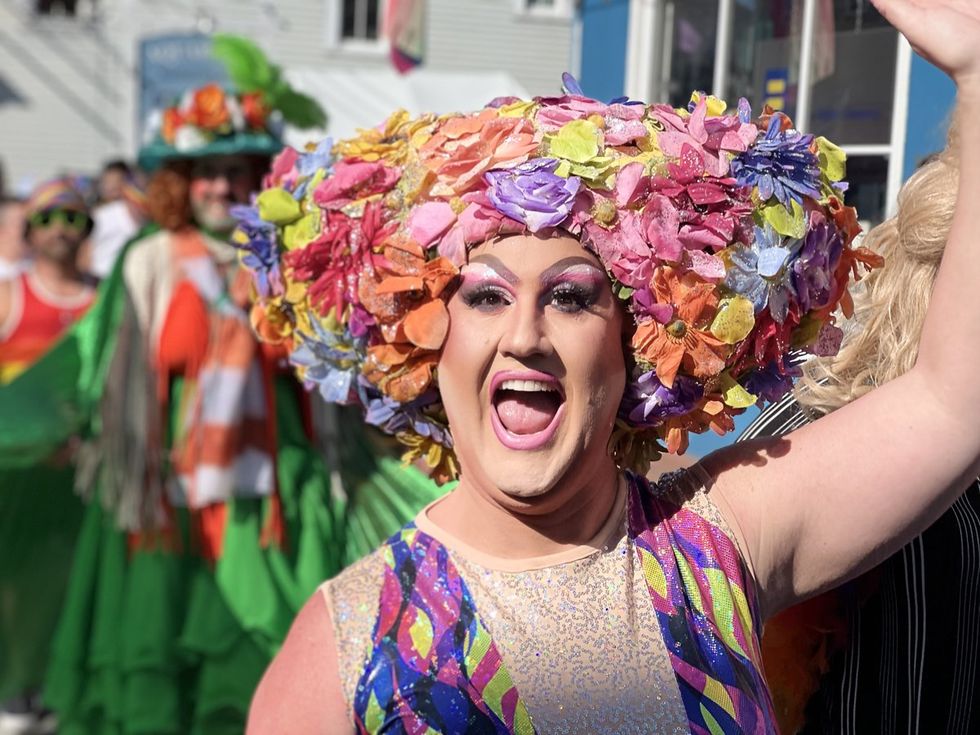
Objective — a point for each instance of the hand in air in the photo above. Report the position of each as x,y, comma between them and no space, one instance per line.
944,32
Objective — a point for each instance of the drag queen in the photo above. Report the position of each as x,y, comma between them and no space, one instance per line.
534,296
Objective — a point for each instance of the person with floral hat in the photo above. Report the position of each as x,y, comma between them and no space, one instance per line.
212,510
540,297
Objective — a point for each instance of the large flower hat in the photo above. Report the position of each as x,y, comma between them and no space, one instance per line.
725,236
246,119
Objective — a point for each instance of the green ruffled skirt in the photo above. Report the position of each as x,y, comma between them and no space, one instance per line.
157,641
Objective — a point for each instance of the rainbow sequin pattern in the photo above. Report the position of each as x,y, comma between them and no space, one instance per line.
434,667
708,613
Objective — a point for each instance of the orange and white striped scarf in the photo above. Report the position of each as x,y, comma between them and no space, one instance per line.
225,443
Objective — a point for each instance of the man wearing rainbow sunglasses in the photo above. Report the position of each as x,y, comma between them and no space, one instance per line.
37,305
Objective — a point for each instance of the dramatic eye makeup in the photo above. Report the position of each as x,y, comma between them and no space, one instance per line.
483,288
573,288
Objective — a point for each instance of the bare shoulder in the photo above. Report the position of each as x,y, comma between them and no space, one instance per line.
301,690
6,304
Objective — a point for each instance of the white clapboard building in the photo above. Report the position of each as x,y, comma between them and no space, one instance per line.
71,70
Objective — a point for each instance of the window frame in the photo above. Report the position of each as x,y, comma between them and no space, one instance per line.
333,30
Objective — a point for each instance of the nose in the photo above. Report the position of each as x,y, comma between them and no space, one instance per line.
524,334
220,185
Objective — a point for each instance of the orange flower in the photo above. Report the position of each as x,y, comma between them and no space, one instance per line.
464,148
254,110
712,414
172,119
407,299
208,108
684,339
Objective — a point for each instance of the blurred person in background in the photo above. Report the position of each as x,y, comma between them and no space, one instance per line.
40,513
40,302
213,515
13,253
120,214
897,650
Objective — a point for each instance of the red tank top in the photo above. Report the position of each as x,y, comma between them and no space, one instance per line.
37,319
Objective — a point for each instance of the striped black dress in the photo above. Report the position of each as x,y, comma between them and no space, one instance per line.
912,660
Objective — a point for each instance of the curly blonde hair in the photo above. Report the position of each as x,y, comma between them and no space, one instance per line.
891,306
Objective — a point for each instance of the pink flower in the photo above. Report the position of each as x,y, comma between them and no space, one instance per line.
713,212
354,180
478,222
714,137
464,148
622,123
429,221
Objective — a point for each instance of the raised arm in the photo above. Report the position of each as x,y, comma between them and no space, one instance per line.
841,495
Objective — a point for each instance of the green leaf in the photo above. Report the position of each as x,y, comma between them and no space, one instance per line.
832,160
789,223
299,109
247,65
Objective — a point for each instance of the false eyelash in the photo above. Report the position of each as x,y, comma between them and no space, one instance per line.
583,296
472,297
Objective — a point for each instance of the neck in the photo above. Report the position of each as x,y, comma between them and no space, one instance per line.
500,525
60,276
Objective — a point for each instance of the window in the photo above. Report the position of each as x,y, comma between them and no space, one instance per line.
545,8
56,7
355,25
360,20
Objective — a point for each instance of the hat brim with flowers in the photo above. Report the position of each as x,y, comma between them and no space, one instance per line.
725,236
213,121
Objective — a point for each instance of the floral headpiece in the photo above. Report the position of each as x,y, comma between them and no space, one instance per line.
726,237
209,120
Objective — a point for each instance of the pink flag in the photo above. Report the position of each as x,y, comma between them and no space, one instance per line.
404,28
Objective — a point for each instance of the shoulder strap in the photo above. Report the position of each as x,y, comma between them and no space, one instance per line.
706,605
434,665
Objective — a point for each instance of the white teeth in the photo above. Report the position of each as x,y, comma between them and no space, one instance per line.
527,386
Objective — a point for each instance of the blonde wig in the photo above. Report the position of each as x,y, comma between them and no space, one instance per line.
891,306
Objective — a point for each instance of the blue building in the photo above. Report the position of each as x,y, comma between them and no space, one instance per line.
835,66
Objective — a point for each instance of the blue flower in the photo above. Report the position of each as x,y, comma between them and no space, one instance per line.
780,164
761,271
648,402
330,362
394,417
257,241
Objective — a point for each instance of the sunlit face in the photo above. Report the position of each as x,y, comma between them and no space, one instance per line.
57,234
532,371
217,184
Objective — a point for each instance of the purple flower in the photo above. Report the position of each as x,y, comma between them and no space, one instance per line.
813,271
647,402
781,165
532,193
330,362
260,254
771,382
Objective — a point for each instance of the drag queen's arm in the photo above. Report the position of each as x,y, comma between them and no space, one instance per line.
301,692
842,494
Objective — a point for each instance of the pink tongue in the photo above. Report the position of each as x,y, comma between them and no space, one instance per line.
526,412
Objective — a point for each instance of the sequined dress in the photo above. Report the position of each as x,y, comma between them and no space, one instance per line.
651,627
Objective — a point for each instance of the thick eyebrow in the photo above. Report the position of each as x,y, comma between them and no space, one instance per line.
550,274
502,270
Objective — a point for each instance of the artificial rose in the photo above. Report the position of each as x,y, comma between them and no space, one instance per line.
531,193
352,181
172,121
463,149
208,108
255,111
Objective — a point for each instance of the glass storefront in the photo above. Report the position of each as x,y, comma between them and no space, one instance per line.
852,64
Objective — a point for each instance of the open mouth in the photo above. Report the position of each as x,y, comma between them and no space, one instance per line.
526,409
